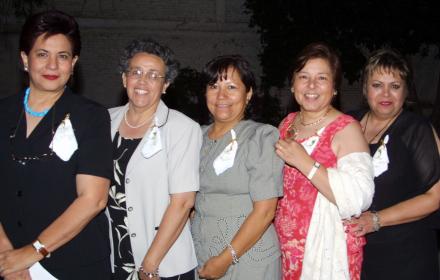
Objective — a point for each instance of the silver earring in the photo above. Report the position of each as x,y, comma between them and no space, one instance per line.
25,68
335,93
164,92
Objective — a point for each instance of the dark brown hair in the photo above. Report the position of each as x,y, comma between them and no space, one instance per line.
50,23
323,51
218,67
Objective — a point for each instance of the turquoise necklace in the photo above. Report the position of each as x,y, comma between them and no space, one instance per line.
28,109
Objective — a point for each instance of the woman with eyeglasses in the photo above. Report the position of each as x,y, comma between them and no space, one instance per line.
156,167
55,163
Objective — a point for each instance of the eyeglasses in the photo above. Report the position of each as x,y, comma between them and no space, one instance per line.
137,74
25,159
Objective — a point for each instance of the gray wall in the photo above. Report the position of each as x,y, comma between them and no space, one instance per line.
196,30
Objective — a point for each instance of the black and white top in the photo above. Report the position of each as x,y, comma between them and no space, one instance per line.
124,267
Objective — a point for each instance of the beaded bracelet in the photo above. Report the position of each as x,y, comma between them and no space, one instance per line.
150,275
233,254
376,220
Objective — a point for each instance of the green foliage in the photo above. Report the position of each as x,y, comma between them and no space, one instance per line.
351,27
186,94
266,109
20,8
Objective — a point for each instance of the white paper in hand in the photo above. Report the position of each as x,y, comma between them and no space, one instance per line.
226,159
64,141
38,272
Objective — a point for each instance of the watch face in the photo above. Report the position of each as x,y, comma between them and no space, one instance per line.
40,248
37,245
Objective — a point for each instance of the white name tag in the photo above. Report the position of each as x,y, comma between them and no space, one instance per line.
226,158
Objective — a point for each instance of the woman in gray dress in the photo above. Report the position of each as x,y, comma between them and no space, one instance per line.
240,181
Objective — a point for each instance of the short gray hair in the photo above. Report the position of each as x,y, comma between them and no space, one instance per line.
151,47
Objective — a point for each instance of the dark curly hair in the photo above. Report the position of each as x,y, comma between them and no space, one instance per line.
151,47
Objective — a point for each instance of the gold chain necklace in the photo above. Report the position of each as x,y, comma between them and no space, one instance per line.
294,131
301,120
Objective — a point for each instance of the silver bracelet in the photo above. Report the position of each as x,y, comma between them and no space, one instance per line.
150,275
233,254
376,220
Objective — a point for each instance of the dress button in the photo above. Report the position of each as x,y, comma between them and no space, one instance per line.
127,180
133,234
130,209
19,193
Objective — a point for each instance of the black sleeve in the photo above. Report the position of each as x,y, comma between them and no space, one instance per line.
420,141
95,147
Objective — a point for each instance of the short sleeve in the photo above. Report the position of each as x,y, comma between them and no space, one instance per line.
265,168
95,147
183,160
421,143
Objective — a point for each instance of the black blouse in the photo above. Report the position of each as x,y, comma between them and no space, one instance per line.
34,193
413,169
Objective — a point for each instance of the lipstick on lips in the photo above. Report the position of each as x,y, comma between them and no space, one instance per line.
385,103
50,77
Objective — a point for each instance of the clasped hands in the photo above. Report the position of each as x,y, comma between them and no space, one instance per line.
362,225
14,263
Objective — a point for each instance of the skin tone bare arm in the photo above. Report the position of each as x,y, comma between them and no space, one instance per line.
249,233
92,198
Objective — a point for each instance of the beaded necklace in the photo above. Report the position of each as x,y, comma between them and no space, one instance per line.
139,125
29,109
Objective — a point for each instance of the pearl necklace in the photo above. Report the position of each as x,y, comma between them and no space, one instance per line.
139,125
29,109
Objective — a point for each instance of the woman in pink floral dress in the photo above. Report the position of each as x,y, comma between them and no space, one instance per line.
328,177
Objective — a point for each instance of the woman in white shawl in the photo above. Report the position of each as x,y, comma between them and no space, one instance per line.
328,175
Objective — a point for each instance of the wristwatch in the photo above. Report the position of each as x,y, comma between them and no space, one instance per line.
40,248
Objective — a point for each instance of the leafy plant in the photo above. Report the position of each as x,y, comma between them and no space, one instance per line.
353,28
